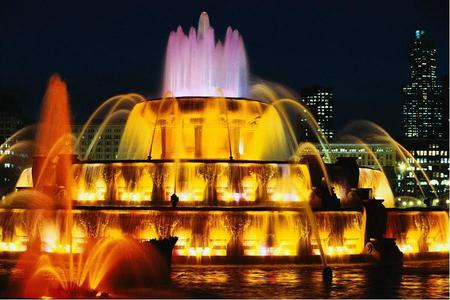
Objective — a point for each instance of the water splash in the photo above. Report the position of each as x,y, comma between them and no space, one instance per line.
196,65
377,181
181,128
109,264
54,139
367,130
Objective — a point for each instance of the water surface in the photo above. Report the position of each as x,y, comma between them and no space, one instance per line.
416,280
426,279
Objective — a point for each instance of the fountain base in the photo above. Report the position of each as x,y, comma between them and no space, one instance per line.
164,248
384,251
327,274
75,291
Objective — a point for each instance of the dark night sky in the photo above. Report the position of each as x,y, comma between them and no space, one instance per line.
104,48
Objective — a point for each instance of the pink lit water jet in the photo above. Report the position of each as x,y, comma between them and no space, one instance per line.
197,66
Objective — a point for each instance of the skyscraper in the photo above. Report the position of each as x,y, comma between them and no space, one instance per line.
14,158
445,99
422,107
98,146
424,127
319,101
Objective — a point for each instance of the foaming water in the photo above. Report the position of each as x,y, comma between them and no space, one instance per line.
198,66
102,266
419,231
183,128
201,183
201,234
366,130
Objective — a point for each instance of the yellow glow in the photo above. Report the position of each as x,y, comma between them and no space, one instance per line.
91,191
52,242
439,247
337,251
130,196
25,179
405,248
228,196
194,179
216,242
16,246
286,197
114,233
378,182
148,233
283,250
183,132
193,195
241,147
417,232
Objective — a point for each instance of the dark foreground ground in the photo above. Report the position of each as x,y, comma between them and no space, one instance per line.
425,279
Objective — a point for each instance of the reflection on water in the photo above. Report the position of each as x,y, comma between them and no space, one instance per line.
417,280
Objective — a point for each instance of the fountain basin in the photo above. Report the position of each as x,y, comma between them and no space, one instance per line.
211,232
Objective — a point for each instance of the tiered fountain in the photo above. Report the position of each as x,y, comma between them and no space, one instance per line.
242,189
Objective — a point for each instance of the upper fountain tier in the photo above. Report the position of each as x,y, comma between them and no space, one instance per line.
205,128
198,66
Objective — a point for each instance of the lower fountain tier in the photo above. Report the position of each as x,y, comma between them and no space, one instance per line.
227,233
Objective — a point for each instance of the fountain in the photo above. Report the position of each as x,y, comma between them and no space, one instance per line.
60,254
206,171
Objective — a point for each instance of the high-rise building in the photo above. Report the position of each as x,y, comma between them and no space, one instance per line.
427,175
445,102
422,108
15,157
11,119
320,102
371,155
425,127
95,145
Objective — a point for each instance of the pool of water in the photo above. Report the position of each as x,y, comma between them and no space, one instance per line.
426,279
416,280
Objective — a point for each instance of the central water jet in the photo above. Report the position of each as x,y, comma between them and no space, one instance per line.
198,66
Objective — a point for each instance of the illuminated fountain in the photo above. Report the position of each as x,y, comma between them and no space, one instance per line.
247,190
60,256
110,264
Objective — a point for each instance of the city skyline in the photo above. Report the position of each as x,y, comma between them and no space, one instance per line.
135,65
